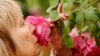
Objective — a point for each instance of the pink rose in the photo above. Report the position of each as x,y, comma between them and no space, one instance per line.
84,43
42,28
94,52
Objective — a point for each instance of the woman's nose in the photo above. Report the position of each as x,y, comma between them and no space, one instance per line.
31,27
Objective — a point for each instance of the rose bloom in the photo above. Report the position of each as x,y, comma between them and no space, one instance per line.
42,28
84,44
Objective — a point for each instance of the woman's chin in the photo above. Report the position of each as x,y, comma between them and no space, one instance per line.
37,51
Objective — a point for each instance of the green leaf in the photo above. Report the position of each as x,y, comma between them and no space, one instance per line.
49,10
84,4
63,1
80,26
64,28
80,17
98,13
54,15
91,16
71,20
98,25
53,3
81,1
67,6
85,28
67,23
69,42
91,9
92,27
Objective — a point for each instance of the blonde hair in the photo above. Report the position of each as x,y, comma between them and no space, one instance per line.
9,13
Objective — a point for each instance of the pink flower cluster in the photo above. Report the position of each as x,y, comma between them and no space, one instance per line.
42,28
84,44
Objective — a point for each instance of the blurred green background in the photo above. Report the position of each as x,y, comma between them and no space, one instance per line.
34,7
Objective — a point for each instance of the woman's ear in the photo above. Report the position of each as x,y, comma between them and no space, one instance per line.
3,50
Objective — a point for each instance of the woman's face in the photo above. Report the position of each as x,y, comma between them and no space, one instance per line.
25,40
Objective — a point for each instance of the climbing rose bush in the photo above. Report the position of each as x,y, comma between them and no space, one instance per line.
42,28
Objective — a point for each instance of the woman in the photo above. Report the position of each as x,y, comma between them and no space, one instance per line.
16,38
